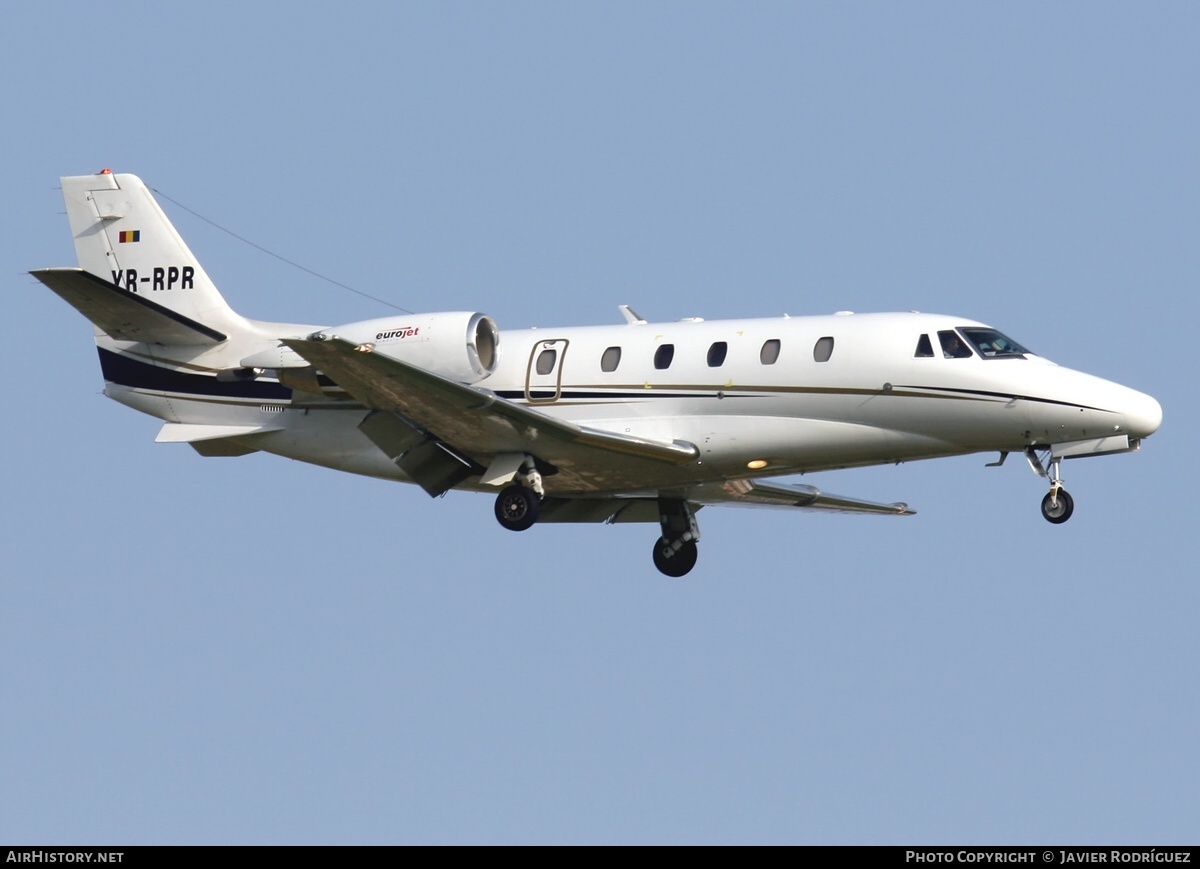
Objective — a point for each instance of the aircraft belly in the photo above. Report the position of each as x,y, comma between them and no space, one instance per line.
330,438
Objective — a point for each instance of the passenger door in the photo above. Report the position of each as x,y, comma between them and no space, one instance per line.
543,376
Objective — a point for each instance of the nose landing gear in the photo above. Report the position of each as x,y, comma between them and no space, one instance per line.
1058,505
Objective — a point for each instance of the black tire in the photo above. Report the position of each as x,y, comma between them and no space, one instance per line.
517,508
1060,514
676,563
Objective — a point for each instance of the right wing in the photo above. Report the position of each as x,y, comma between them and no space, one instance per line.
442,421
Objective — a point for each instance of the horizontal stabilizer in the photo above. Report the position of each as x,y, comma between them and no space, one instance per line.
183,433
123,315
214,440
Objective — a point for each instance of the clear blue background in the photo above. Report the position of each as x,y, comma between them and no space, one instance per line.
256,651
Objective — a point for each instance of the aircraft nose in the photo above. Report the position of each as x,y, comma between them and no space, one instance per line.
1143,415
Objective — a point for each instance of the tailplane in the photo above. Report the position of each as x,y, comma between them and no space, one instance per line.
123,238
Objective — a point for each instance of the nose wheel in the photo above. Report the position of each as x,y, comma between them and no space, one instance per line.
1058,506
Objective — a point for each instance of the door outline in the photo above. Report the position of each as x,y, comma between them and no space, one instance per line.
545,388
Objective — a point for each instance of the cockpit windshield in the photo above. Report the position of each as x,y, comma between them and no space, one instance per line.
992,344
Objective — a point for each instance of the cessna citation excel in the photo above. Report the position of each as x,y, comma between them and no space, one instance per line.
637,422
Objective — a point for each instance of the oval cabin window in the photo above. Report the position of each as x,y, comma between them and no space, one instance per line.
823,349
611,359
716,354
769,353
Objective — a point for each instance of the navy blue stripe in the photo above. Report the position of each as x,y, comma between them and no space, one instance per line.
127,371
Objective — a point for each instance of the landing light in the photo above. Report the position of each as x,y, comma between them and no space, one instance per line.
757,464
368,347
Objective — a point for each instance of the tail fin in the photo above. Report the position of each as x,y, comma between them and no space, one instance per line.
122,235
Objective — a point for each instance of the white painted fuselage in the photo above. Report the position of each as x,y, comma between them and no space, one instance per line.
873,401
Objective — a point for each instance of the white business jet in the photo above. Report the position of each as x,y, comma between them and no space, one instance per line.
638,422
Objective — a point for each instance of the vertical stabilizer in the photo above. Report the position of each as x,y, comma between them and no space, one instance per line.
121,235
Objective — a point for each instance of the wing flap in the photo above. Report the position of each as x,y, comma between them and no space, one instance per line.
123,315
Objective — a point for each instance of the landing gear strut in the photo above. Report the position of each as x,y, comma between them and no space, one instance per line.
1058,505
675,551
518,506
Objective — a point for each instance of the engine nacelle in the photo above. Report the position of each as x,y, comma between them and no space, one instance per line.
458,345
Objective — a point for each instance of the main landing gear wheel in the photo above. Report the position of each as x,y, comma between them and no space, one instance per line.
675,562
517,508
1058,509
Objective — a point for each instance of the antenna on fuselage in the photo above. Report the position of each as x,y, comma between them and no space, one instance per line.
630,316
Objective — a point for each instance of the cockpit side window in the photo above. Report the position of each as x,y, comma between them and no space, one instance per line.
924,348
953,347
992,344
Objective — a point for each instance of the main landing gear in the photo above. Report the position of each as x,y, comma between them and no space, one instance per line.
675,551
518,506
1058,505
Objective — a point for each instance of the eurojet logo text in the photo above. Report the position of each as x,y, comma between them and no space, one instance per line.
402,332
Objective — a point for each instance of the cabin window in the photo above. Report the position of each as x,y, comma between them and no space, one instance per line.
924,348
716,354
545,361
769,353
610,359
953,347
663,356
823,349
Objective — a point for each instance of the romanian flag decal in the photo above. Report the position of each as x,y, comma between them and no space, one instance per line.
126,236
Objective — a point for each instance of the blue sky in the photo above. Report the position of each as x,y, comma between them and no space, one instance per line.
256,651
